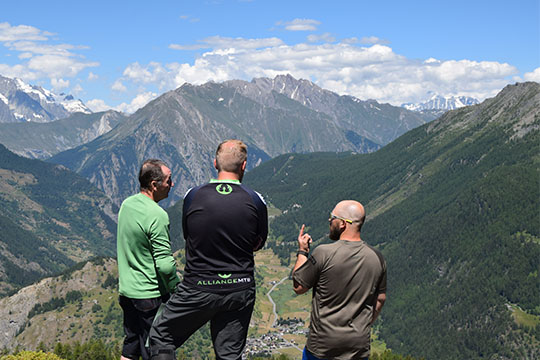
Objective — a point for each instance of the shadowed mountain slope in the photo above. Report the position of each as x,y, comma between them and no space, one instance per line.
51,218
42,140
454,206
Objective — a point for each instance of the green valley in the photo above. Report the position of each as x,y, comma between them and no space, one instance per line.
453,205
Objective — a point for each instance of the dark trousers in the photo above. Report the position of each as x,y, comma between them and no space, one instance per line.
138,317
189,309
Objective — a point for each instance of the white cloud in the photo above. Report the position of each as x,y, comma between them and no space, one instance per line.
42,57
138,102
26,55
352,40
118,86
219,42
187,47
92,76
59,84
57,66
32,47
77,89
153,73
189,18
18,71
326,37
372,40
300,24
97,105
533,75
21,33
375,72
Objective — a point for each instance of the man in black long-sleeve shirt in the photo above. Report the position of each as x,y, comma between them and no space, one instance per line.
224,222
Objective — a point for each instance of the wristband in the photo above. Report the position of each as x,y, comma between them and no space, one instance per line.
302,252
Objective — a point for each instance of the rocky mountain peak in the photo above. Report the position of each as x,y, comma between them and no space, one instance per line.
22,102
516,109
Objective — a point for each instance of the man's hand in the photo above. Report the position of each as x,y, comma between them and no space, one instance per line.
381,298
304,240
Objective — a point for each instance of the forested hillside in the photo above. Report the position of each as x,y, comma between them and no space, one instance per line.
51,218
454,207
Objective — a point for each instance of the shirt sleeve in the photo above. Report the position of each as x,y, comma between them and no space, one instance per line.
381,285
308,274
382,282
262,225
161,250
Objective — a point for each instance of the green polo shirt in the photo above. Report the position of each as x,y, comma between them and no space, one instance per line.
146,267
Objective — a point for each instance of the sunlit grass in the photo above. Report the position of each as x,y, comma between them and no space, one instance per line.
524,319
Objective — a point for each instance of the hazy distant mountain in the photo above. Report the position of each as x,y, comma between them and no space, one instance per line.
20,102
51,218
438,104
42,140
453,205
184,127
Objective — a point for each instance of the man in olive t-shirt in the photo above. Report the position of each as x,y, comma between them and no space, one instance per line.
146,267
348,278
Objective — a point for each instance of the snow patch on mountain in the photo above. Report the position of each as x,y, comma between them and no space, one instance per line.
438,102
4,99
27,102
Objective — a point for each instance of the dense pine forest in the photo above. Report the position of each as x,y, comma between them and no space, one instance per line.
453,205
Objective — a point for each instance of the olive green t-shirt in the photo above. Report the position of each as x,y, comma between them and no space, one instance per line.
146,267
347,277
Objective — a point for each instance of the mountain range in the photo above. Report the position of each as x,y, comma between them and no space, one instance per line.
438,105
273,116
21,102
452,204
438,102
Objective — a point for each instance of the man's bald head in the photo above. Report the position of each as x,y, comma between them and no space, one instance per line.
351,210
230,156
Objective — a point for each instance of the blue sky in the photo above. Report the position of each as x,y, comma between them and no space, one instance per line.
121,54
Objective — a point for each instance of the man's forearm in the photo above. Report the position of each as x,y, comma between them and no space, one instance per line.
300,260
378,306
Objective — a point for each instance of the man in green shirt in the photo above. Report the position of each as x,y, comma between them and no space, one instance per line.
146,267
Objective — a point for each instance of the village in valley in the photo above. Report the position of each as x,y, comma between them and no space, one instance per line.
273,341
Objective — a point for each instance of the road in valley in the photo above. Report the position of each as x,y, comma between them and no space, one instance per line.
274,307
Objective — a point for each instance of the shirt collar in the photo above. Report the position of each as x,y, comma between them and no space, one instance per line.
213,181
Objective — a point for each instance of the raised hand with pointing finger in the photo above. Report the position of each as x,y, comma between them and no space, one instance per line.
304,240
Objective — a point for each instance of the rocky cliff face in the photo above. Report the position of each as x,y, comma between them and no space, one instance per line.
380,123
15,309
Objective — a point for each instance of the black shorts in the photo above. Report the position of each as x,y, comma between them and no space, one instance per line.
138,317
189,309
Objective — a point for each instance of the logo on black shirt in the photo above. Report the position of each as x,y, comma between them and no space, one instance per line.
224,189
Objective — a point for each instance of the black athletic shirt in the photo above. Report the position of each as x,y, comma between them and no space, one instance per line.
224,222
